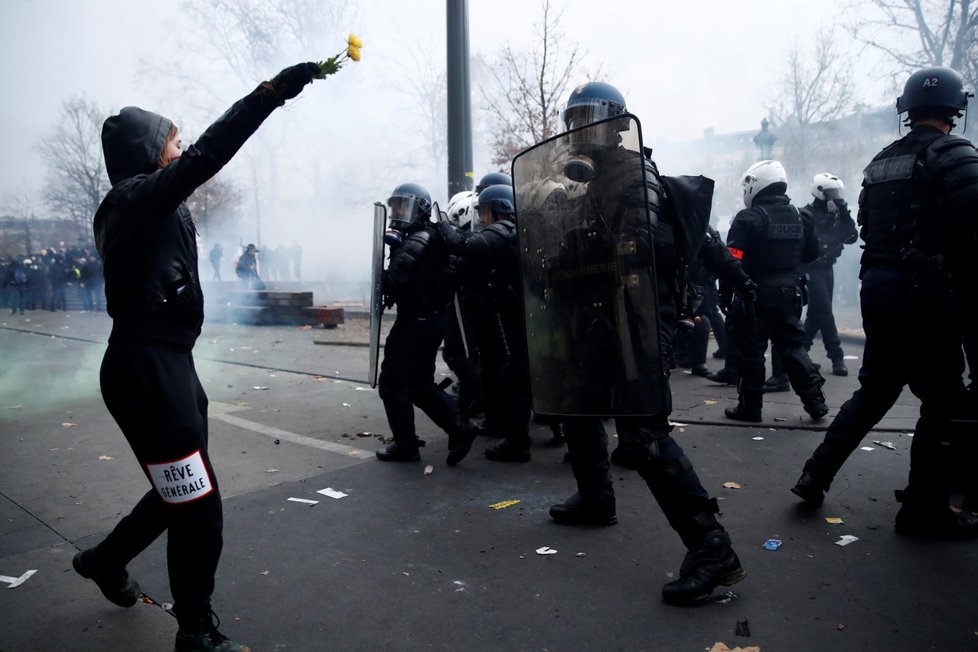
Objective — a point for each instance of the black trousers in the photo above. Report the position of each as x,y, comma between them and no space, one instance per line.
407,376
154,394
774,317
819,317
895,316
505,373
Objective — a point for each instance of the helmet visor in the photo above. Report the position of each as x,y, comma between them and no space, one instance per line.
405,209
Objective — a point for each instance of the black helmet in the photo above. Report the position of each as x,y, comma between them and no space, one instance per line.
934,87
591,102
492,179
410,206
496,201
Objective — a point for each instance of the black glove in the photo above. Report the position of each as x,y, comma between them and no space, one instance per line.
747,291
290,82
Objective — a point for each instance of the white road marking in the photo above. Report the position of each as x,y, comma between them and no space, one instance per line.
222,412
17,581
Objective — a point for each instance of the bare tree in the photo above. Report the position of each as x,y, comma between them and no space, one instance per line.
529,88
21,205
812,91
914,34
77,179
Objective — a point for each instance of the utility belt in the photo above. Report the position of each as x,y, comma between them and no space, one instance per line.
778,280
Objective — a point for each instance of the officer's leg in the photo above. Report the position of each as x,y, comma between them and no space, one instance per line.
789,338
514,383
778,382
594,502
711,560
394,388
937,382
750,339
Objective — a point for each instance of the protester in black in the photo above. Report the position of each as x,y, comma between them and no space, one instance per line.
147,241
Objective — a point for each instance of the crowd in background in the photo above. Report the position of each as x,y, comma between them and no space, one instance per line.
52,278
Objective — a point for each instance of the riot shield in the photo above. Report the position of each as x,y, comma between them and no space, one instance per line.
376,290
588,273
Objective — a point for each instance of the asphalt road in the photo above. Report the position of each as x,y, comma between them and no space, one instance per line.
409,560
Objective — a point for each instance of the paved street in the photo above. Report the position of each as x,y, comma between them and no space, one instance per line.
412,561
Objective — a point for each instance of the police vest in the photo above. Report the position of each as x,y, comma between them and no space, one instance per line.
780,241
899,199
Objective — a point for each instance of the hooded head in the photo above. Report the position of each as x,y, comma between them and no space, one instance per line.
133,142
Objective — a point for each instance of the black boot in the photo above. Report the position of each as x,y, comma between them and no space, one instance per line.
839,368
461,435
201,635
812,484
726,376
777,384
578,510
505,451
114,583
711,563
933,520
817,410
396,452
748,408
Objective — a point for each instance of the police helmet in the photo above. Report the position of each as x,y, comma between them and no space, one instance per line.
592,102
937,86
761,176
496,202
827,187
461,209
493,178
410,206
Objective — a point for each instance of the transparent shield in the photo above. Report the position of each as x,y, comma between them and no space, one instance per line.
588,274
376,290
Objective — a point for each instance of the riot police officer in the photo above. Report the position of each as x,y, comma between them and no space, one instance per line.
490,256
772,240
493,179
834,228
418,282
916,217
612,341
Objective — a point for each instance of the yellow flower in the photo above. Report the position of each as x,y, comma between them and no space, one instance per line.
334,63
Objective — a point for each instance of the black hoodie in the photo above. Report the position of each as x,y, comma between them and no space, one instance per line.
143,230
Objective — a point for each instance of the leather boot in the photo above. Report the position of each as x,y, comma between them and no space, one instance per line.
777,384
707,565
505,451
396,452
748,408
812,484
839,368
461,435
726,376
933,519
578,510
201,635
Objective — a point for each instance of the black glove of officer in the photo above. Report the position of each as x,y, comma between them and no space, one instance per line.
747,291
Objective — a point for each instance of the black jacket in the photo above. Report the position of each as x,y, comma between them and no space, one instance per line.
143,230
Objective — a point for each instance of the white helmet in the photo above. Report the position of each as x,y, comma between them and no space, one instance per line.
761,175
826,186
462,209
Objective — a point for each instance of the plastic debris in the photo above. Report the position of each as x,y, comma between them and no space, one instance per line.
580,554
733,485
867,448
271,470
332,493
68,424
546,551
345,404
758,438
742,628
846,539
885,444
105,457
304,501
503,504
835,520
259,387
726,597
428,470
772,544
